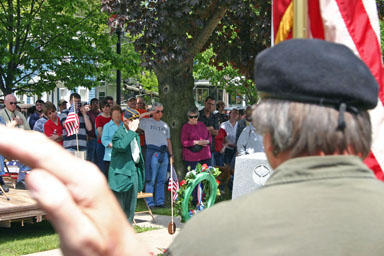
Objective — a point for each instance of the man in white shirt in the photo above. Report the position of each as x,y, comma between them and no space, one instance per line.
230,128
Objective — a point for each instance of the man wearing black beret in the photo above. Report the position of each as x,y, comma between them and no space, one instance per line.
321,199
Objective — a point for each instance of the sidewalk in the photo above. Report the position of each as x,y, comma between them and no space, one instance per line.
156,240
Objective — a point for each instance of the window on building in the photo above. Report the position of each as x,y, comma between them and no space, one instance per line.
101,96
201,94
235,99
83,94
63,93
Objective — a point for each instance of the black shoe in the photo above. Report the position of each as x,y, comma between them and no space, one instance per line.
6,188
160,206
20,185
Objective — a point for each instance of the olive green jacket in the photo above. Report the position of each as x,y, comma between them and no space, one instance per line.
122,167
330,205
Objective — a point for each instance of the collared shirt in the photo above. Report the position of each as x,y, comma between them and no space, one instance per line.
320,205
106,138
9,116
134,149
230,130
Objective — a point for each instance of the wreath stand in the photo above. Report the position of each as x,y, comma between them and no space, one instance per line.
188,192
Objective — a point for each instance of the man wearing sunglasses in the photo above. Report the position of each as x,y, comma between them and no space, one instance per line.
158,155
10,113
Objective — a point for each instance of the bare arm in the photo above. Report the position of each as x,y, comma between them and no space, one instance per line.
170,151
88,124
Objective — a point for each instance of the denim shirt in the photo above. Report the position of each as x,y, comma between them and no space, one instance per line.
108,131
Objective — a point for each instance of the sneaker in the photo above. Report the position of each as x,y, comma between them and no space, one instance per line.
160,206
20,185
6,188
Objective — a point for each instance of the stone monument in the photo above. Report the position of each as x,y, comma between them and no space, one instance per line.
251,172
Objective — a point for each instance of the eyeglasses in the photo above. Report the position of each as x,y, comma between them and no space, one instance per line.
193,117
13,103
51,112
160,111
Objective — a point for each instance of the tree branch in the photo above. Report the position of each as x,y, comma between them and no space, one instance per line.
20,52
206,33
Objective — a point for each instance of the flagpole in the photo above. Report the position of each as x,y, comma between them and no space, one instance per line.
171,225
77,139
300,11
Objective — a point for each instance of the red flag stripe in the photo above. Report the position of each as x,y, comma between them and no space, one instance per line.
316,23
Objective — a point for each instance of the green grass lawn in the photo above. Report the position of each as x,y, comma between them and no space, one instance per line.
18,240
32,238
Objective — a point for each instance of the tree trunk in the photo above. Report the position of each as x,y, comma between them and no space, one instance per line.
176,94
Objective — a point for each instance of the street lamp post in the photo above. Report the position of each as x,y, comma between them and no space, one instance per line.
118,71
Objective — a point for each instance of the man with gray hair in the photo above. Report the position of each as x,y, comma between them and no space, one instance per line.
321,199
158,154
9,114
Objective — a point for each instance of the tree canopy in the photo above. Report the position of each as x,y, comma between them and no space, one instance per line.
170,34
174,32
44,42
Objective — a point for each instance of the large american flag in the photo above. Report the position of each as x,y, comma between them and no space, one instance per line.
71,124
173,184
354,23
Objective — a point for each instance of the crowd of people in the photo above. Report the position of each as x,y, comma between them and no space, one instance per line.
321,199
210,136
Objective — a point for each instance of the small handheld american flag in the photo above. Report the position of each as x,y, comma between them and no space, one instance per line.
71,124
173,184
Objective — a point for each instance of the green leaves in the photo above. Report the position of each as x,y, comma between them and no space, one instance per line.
53,41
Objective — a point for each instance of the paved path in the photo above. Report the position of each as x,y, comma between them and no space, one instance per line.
155,240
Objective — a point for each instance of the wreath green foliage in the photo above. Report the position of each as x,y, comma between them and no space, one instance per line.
187,181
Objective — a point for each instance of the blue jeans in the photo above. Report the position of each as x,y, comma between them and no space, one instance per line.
155,177
91,151
100,150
